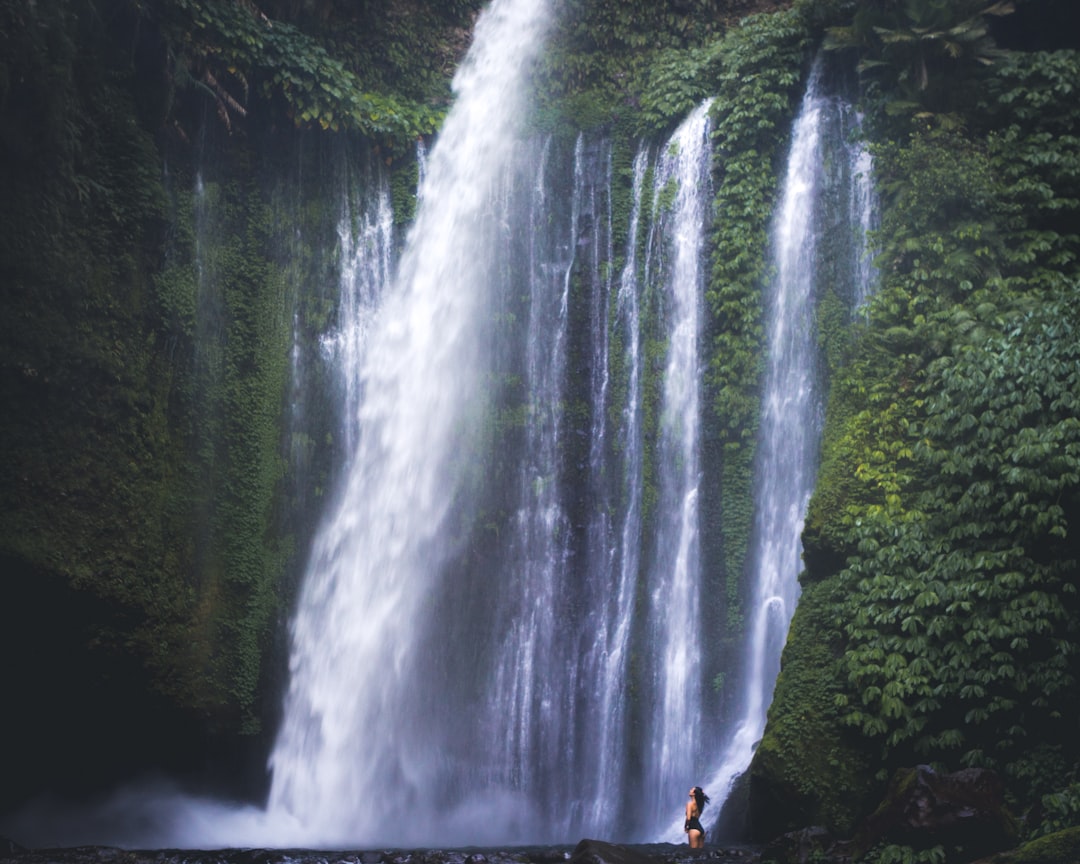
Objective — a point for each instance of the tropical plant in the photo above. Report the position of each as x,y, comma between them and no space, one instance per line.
218,46
921,49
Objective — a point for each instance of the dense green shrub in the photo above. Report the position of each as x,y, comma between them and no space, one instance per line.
762,65
946,509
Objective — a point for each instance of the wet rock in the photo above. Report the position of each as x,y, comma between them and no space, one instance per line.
586,852
801,847
963,811
599,852
1058,848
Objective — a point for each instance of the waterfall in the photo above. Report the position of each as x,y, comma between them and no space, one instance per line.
862,213
359,748
675,626
464,637
499,632
618,556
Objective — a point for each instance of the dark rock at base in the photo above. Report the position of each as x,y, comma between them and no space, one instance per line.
599,852
586,852
733,823
964,811
800,847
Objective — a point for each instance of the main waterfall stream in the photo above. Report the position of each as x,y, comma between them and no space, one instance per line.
369,732
463,642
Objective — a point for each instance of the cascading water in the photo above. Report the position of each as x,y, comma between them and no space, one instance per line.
862,213
792,402
359,746
366,264
466,677
498,634
618,540
559,700
528,710
675,626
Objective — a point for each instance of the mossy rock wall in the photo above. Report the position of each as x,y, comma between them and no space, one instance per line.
154,286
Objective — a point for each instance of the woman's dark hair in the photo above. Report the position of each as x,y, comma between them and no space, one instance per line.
701,798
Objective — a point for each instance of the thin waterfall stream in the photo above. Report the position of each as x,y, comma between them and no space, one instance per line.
810,207
675,623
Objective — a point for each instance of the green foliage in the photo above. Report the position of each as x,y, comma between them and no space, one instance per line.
1061,810
224,48
762,64
960,625
86,431
923,53
636,64
945,515
1035,156
962,582
676,82
893,853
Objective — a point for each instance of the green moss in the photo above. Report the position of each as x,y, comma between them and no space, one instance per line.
404,182
761,68
808,769
145,360
1055,848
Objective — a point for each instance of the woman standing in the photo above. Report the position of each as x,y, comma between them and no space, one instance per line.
692,825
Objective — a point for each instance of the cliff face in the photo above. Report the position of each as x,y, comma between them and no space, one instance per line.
142,548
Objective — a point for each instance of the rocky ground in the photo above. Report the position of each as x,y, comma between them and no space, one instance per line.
586,852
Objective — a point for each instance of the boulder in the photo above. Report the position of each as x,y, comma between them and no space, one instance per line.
800,847
599,852
964,811
1058,848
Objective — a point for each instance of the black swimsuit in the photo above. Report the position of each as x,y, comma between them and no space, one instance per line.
694,824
